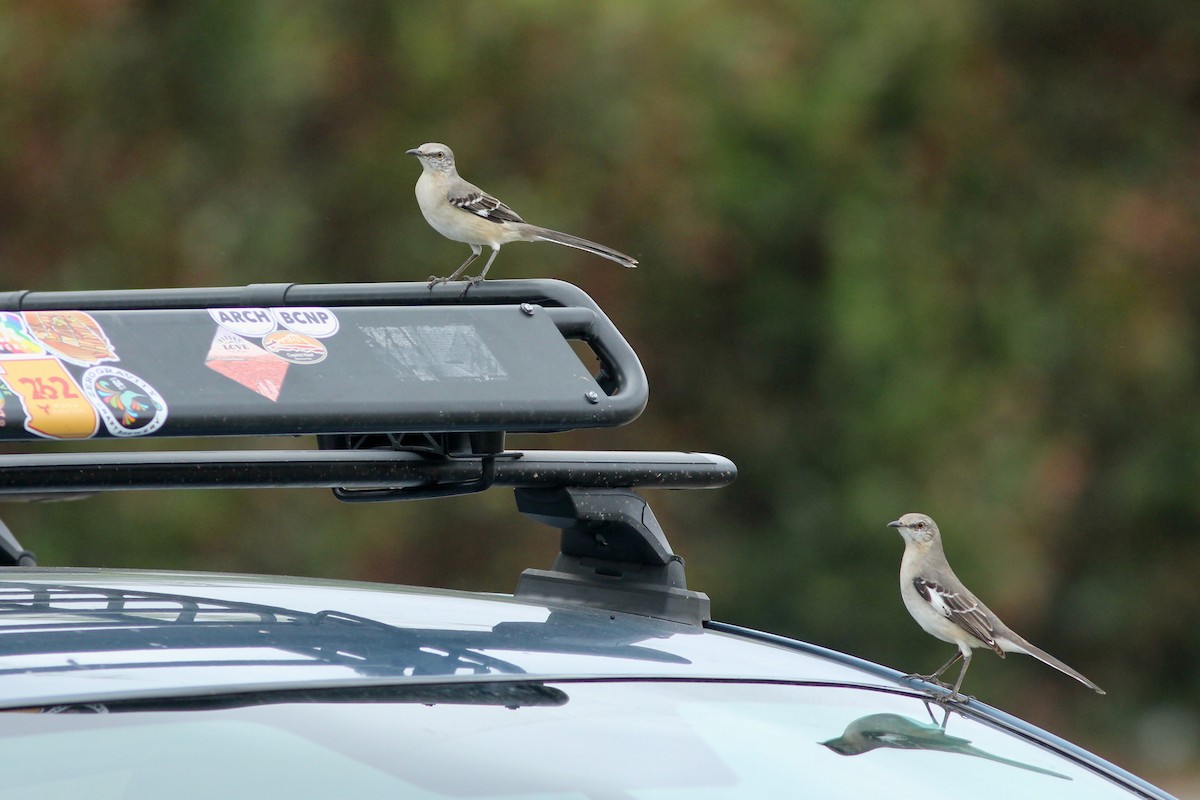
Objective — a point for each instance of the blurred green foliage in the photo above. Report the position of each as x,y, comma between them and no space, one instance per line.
936,256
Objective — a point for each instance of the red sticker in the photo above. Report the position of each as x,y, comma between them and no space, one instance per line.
247,363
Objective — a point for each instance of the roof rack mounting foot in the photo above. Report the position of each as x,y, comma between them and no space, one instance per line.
614,555
11,552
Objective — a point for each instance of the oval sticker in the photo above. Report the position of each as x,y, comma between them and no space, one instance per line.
297,348
244,321
128,405
313,321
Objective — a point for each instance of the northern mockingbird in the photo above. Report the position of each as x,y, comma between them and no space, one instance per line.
463,212
945,608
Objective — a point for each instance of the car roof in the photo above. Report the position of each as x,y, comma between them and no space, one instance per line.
118,634
105,639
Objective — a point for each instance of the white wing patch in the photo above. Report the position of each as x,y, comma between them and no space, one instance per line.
938,600
486,206
962,609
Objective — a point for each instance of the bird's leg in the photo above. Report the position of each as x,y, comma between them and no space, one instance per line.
475,251
948,664
955,694
488,265
471,281
936,676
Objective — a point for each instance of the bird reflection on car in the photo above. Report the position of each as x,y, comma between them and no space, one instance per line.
898,732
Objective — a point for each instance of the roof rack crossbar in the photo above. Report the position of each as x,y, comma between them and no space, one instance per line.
45,475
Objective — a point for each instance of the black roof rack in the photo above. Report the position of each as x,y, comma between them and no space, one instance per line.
410,392
285,359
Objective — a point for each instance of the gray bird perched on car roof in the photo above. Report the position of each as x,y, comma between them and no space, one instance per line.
463,212
945,608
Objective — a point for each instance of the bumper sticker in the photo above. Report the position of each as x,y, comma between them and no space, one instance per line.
244,321
311,321
295,347
71,335
15,338
246,363
54,405
128,405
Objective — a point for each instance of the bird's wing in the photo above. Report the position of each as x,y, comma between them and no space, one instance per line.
472,198
960,608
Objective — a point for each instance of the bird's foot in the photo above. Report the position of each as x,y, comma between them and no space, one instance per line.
934,679
953,698
471,281
434,280
941,699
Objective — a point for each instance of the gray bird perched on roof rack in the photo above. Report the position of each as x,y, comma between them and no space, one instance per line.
463,212
945,608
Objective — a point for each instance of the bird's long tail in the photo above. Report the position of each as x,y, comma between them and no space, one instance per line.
558,237
1046,658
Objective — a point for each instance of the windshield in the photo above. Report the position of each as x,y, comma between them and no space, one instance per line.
657,740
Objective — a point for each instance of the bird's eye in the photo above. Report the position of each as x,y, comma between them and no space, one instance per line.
921,525
439,154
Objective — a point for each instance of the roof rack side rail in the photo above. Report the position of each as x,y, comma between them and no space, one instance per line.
540,291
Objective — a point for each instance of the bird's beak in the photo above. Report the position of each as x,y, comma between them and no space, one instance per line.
895,524
416,151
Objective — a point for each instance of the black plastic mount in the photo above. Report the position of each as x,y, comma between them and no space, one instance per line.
614,555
